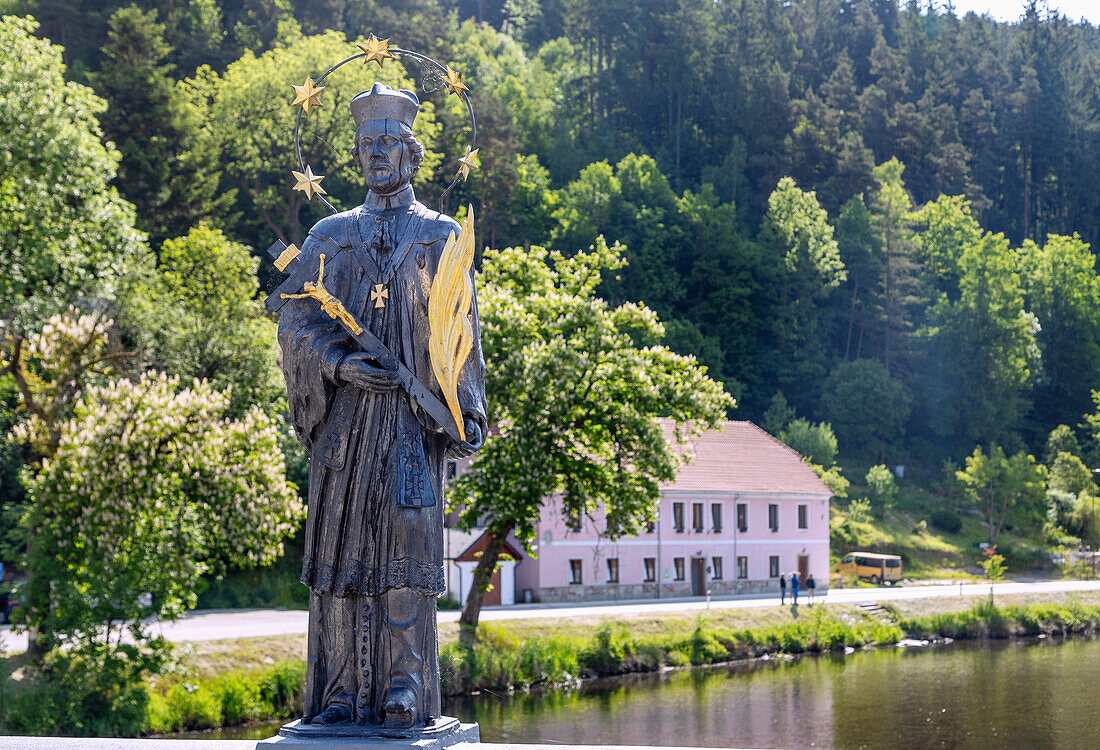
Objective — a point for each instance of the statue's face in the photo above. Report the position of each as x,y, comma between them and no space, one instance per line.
383,156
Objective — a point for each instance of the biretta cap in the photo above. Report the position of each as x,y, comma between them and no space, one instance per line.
384,103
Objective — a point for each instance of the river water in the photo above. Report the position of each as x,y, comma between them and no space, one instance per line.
1002,694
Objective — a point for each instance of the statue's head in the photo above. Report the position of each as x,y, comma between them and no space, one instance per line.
385,148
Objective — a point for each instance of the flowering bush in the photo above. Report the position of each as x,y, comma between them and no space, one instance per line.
149,488
51,367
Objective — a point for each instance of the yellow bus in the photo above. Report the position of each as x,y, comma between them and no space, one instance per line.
871,566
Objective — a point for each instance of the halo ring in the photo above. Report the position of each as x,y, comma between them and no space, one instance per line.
417,56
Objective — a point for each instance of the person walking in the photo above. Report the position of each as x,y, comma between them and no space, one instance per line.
782,589
811,585
794,588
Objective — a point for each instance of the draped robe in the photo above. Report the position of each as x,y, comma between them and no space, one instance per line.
374,527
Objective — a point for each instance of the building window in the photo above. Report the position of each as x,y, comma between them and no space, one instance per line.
574,522
575,571
742,567
677,516
742,517
650,569
773,516
803,517
678,565
650,527
773,566
716,568
697,517
452,470
716,517
612,570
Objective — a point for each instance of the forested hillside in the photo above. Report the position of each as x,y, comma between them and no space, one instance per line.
883,212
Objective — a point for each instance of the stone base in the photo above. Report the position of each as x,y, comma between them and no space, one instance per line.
445,732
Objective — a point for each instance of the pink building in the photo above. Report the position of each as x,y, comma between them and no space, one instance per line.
745,510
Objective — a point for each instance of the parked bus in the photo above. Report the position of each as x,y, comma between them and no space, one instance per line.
871,566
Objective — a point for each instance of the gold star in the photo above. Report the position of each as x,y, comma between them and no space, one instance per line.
468,162
307,95
453,79
377,50
309,183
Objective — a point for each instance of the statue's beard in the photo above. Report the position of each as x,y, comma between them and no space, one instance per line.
391,181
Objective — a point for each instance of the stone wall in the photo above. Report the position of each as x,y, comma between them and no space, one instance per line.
609,592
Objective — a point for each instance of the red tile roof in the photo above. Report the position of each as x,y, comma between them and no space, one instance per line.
741,457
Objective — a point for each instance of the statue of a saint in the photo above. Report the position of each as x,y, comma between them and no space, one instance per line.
374,531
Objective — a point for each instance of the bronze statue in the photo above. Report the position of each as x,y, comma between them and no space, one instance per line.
368,407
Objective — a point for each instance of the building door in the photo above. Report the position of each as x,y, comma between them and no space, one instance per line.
697,572
803,567
492,596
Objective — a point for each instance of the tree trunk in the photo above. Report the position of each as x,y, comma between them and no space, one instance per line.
851,318
679,127
36,644
483,574
1027,191
889,296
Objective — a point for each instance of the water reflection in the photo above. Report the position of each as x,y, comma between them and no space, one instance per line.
1010,695
1035,694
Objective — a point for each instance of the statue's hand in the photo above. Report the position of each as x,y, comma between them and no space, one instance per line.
361,370
475,438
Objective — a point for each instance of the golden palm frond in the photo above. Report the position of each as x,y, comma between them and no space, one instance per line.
452,335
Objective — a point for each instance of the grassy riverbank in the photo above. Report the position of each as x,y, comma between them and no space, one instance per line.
224,683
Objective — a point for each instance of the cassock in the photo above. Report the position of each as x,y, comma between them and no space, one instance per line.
374,528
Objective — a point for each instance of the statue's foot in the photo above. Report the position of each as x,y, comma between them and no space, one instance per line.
337,713
399,709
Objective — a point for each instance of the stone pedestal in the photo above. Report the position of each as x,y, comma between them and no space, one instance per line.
444,733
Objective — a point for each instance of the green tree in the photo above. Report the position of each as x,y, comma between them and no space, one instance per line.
1062,439
1091,426
151,486
881,486
993,565
577,387
1062,289
251,127
511,192
945,227
199,317
633,202
53,366
778,415
816,443
866,406
67,234
1069,474
860,249
167,171
1001,486
986,343
810,268
897,289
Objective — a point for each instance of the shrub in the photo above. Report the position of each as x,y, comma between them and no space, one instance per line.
881,487
677,658
703,646
75,694
814,442
946,520
280,688
191,706
239,698
610,650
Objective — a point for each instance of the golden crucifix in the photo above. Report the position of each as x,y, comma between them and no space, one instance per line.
329,303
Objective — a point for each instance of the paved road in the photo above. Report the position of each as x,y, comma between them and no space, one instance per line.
212,625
